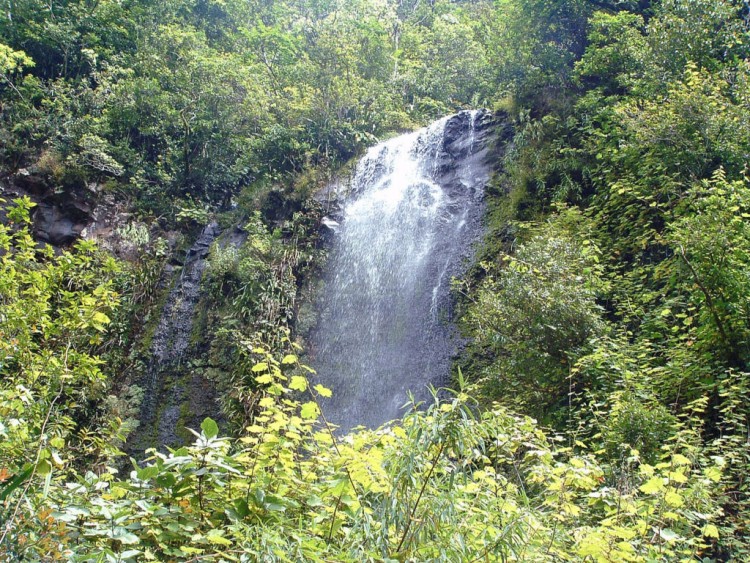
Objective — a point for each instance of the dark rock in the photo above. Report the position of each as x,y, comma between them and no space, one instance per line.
32,183
61,214
176,395
59,219
55,226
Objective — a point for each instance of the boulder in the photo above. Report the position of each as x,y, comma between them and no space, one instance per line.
61,214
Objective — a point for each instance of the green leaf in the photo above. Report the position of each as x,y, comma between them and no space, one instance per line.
210,428
43,467
166,480
668,535
309,410
274,503
323,391
338,486
128,538
240,505
147,473
289,359
298,383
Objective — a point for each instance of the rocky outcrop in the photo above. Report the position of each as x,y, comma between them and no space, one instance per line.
176,396
61,213
170,344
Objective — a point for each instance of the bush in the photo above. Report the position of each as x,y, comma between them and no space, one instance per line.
537,314
636,424
445,484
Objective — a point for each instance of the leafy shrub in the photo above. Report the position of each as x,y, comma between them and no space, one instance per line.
443,484
634,424
538,313
54,316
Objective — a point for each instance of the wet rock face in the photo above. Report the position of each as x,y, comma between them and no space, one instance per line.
470,140
467,145
175,395
170,347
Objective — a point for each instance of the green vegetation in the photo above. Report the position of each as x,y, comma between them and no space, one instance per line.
611,302
621,311
250,295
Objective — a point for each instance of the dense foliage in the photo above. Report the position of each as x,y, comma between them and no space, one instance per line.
611,300
445,484
615,322
200,99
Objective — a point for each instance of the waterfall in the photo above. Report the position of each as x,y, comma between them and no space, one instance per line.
406,227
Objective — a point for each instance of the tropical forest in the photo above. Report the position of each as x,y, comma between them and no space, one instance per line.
374,281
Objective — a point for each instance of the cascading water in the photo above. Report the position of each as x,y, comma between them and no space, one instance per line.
412,211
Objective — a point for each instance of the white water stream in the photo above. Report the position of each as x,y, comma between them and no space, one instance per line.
405,229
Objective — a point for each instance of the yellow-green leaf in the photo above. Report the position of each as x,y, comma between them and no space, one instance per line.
680,459
323,391
263,379
217,537
714,474
653,485
101,318
298,383
673,499
710,531
309,411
